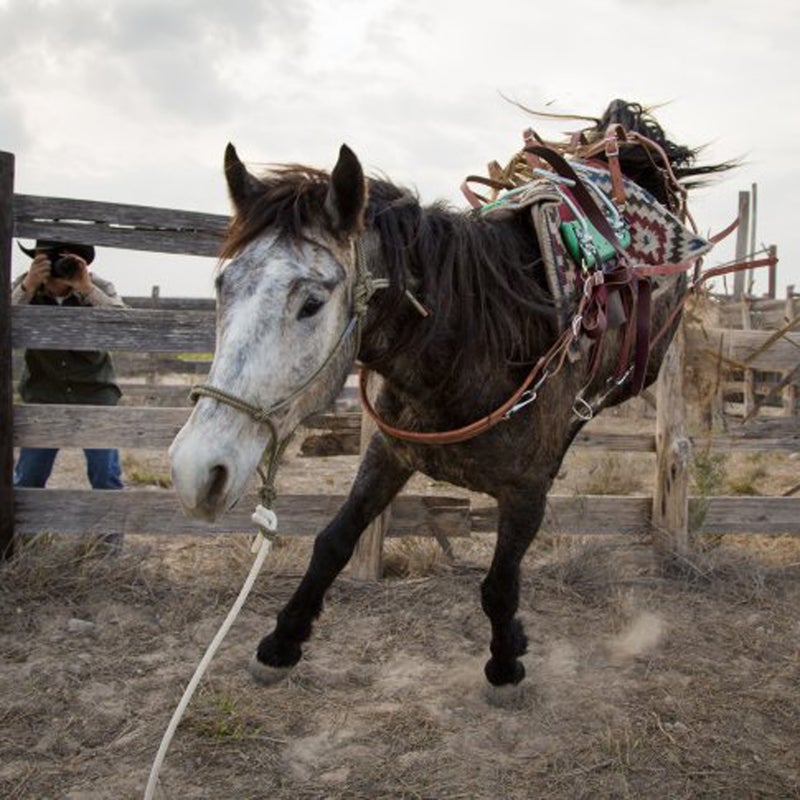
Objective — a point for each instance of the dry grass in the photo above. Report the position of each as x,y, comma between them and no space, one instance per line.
640,684
139,469
48,567
584,569
615,475
413,556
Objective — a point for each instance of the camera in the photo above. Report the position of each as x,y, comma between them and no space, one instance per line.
63,266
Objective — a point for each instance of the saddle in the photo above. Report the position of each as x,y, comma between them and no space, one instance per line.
601,236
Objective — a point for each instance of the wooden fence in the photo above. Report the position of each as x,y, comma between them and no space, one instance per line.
753,345
157,335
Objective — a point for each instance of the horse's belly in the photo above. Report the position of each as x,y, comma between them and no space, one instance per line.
488,464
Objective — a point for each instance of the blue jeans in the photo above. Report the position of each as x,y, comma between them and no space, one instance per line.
36,463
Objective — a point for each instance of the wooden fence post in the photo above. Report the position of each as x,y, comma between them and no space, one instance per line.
6,384
789,395
752,233
742,233
367,561
748,375
152,376
673,456
773,271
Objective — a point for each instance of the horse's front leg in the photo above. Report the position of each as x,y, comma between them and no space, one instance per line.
519,520
380,477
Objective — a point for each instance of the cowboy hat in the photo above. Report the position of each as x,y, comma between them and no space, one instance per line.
85,251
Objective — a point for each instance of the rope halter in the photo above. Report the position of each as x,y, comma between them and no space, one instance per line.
365,286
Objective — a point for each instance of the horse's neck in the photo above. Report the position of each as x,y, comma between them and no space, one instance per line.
417,370
380,328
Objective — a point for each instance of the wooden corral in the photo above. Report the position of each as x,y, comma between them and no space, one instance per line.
747,351
162,340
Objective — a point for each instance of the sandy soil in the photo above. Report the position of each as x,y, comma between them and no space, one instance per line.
640,684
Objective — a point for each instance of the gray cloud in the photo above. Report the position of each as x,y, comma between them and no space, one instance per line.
168,54
153,24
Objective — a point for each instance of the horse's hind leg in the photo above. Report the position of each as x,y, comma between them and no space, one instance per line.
518,524
380,477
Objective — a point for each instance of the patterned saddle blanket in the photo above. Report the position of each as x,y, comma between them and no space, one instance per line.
656,236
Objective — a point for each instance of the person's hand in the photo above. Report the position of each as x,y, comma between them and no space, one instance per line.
82,280
38,273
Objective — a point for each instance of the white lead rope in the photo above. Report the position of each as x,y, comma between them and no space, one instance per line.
267,521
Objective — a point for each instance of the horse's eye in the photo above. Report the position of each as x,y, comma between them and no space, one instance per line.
310,307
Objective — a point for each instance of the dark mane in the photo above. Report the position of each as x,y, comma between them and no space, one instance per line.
481,280
292,201
646,167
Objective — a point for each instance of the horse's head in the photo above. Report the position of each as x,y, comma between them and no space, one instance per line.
285,333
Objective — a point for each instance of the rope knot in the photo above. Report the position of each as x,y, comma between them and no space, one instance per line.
362,294
268,495
265,518
260,415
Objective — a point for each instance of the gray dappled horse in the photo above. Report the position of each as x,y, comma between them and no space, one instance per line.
323,269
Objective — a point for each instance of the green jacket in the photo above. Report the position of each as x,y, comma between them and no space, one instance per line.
81,377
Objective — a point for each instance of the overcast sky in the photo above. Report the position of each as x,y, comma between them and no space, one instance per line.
133,101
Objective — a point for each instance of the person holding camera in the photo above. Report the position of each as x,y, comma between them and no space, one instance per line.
59,276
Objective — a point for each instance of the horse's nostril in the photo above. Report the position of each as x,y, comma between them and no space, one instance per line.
218,478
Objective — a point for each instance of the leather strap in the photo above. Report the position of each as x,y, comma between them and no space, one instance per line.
473,198
714,272
629,306
581,194
724,269
642,353
501,413
718,237
443,437
614,135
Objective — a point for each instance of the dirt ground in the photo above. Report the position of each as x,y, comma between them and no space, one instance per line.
640,684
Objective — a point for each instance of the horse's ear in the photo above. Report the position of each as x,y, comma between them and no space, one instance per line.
347,194
241,184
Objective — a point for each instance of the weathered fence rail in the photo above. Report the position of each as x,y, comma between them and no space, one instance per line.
155,336
759,313
156,230
82,511
753,345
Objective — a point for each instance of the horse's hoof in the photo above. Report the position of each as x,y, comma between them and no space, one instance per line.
509,673
265,674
